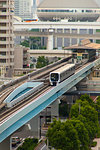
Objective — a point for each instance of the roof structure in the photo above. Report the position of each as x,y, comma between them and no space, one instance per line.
84,45
68,4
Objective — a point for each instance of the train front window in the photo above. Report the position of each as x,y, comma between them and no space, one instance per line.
54,77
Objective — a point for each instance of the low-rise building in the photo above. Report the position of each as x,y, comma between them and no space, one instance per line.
21,57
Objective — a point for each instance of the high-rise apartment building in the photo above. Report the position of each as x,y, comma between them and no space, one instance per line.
6,35
23,8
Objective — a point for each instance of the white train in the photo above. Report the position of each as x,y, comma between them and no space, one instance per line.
61,74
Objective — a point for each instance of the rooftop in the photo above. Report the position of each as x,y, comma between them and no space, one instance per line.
84,44
68,4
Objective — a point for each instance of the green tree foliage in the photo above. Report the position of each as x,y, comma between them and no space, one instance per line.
32,42
85,110
29,144
98,107
82,134
75,110
25,43
91,116
86,98
83,123
87,126
62,135
41,62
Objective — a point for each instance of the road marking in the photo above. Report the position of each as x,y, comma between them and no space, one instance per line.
43,147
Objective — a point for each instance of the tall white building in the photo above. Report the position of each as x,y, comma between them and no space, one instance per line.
6,36
23,8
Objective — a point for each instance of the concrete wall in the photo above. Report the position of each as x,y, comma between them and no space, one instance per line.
18,57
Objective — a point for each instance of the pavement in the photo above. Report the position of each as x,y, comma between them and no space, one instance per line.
98,144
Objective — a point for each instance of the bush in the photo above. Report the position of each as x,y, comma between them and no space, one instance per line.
94,144
29,144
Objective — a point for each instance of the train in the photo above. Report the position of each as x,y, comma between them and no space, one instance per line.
61,74
30,20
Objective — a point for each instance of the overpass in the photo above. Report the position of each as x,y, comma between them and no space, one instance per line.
56,25
23,115
51,27
64,35
50,53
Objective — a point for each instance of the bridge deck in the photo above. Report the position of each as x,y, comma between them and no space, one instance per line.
22,116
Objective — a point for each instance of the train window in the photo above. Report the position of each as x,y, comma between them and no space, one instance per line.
54,77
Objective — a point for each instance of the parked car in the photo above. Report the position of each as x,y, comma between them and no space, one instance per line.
15,141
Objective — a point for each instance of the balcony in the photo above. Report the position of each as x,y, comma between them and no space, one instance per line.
6,49
4,27
4,57
4,42
4,20
3,13
4,35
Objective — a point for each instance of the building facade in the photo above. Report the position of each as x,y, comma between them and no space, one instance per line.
73,10
6,36
22,57
23,8
70,11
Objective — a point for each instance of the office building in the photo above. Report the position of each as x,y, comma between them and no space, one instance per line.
71,10
23,8
6,37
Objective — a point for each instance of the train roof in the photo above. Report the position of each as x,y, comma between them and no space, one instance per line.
62,69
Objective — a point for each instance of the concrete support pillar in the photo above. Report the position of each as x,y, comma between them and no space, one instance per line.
63,40
55,109
94,32
71,98
55,39
70,42
35,126
6,144
50,42
78,32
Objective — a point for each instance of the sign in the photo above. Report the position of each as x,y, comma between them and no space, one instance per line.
79,55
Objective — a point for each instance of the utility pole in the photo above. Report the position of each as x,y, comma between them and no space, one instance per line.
79,108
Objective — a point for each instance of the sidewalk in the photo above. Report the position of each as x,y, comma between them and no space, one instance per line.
98,144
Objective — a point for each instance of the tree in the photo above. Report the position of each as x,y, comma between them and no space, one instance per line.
32,42
62,135
91,116
87,98
25,43
75,110
41,62
29,144
82,134
83,107
98,107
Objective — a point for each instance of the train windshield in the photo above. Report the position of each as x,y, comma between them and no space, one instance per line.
54,77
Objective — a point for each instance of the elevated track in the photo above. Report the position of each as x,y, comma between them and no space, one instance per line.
14,120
